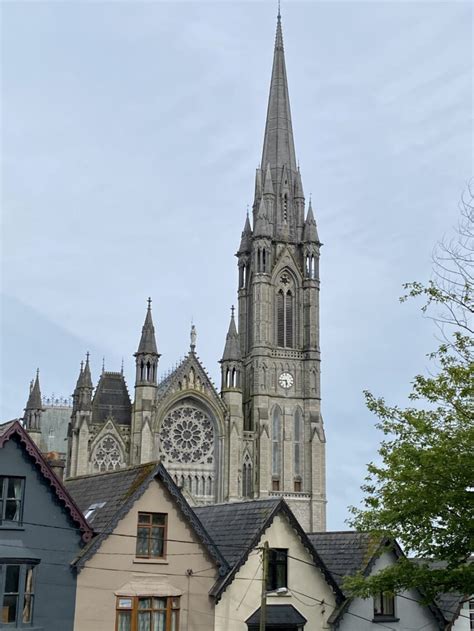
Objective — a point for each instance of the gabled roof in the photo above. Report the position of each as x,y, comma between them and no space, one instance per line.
182,370
237,527
344,553
111,398
14,430
347,552
114,493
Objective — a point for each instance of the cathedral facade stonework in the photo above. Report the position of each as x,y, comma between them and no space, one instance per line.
262,435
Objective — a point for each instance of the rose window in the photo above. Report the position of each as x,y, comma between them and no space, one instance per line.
187,435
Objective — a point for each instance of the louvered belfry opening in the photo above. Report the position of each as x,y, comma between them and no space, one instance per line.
285,309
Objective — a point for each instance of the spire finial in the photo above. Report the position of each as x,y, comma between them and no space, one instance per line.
37,373
82,365
279,11
232,309
121,368
247,211
103,364
149,303
193,336
87,357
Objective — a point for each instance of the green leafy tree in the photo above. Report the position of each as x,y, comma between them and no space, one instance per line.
421,491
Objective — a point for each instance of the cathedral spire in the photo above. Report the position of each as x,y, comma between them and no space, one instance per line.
232,343
278,144
310,231
34,400
34,410
147,340
146,357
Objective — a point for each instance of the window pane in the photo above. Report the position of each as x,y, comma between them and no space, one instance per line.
12,510
159,603
159,519
12,579
14,488
144,518
157,542
9,608
174,620
1,485
124,621
388,607
159,621
378,604
142,542
27,608
144,603
144,621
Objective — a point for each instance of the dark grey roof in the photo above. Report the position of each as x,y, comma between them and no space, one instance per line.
344,553
112,489
232,343
235,526
5,426
111,398
278,615
450,605
114,493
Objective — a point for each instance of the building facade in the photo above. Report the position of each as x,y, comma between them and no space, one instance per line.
262,435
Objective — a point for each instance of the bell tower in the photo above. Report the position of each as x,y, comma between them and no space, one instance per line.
278,318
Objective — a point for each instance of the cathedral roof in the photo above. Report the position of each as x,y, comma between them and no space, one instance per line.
148,341
278,145
113,494
232,342
111,398
34,399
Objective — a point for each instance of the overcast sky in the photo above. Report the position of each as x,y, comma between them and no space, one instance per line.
130,136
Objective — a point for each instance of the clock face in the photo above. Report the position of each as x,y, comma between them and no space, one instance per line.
285,380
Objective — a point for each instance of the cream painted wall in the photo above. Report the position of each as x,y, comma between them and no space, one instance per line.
116,565
412,615
242,597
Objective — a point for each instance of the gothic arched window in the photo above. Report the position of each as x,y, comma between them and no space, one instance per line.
247,477
276,448
107,455
285,313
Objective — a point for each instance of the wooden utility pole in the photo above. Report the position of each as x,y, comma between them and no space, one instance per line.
263,603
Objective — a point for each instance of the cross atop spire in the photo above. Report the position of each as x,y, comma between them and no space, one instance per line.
278,144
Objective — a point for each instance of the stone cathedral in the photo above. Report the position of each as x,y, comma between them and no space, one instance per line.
262,434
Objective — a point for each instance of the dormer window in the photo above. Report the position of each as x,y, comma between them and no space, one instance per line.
92,509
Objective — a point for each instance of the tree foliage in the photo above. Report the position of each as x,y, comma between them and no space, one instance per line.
421,491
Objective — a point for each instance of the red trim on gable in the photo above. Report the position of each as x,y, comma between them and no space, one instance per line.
16,429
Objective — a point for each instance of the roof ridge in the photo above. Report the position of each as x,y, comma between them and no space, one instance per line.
144,465
248,501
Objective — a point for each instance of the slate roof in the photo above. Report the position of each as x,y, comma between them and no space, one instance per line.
237,527
111,398
115,492
345,552
278,615
113,488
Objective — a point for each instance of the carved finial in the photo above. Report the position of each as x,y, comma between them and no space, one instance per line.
87,356
82,365
247,211
103,365
37,373
232,309
121,368
193,336
279,13
149,303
